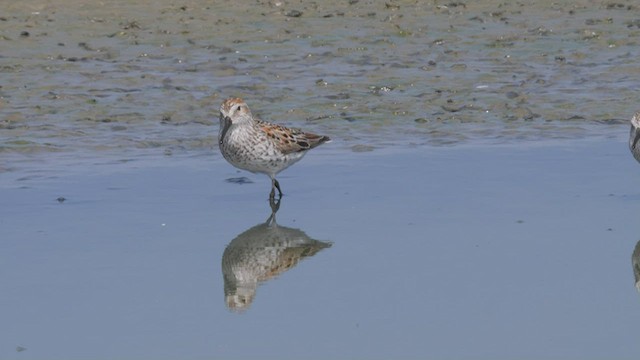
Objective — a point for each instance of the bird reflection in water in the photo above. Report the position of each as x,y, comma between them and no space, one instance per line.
262,253
634,146
635,262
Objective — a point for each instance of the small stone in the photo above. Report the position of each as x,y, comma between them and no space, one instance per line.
293,13
380,89
84,46
338,96
452,108
239,180
512,95
391,6
24,34
362,148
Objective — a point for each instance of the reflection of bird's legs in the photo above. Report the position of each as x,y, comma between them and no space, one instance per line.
275,185
275,206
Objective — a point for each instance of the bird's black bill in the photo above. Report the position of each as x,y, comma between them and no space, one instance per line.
226,124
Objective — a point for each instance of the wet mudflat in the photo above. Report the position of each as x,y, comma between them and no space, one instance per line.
148,77
478,199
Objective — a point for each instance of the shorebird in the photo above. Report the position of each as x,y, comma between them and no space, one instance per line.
259,146
634,136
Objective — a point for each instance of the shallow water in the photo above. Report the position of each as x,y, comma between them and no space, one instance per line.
478,199
461,252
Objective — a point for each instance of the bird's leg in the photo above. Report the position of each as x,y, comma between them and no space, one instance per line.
276,184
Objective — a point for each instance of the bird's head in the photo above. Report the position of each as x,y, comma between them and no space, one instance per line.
234,111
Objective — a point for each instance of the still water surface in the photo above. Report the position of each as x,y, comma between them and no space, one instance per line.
464,252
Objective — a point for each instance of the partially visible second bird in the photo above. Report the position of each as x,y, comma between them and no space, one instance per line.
634,136
259,146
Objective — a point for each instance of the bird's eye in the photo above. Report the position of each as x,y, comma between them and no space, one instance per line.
238,108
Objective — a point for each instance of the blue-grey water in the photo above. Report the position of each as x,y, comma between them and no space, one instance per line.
463,252
478,199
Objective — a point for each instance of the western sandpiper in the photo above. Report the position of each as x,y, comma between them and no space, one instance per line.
258,146
634,136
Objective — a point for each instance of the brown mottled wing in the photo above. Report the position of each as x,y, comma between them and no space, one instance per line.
291,140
